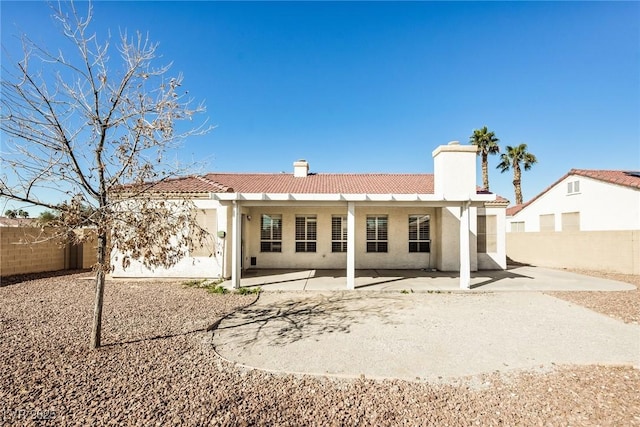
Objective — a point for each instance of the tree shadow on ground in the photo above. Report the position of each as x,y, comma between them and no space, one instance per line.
493,276
287,321
380,276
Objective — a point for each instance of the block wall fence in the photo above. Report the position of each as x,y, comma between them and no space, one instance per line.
17,256
611,251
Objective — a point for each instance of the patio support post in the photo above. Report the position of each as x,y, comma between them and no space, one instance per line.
236,251
465,257
351,245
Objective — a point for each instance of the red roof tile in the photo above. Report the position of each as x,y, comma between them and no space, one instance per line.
325,183
187,184
321,183
625,178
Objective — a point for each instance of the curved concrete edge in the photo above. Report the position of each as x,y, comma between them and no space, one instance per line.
447,378
466,379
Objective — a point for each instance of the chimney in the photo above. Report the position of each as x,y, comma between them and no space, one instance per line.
300,168
454,171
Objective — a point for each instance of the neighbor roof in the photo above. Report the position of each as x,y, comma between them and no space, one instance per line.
618,177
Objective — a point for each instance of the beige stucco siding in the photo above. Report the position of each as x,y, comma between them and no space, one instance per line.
397,256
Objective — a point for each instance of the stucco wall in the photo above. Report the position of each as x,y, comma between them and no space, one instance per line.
602,206
398,255
614,251
494,260
204,266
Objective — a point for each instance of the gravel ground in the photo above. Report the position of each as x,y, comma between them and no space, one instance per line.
157,368
623,305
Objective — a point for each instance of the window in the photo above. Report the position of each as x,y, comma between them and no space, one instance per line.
548,222
517,227
271,233
573,187
571,221
419,233
377,234
487,238
306,233
338,234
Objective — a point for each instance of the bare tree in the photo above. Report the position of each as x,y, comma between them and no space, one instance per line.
91,124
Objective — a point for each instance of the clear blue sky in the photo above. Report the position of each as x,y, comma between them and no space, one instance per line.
376,86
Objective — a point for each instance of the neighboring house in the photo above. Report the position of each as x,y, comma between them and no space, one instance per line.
587,219
586,200
343,221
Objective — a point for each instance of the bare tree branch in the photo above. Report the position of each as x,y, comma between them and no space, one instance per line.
77,132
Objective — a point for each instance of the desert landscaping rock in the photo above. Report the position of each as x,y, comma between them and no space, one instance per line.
158,368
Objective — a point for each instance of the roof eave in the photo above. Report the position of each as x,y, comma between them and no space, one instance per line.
351,197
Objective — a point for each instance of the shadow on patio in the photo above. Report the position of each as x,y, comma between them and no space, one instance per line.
373,279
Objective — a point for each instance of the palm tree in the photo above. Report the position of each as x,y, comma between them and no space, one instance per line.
487,143
512,159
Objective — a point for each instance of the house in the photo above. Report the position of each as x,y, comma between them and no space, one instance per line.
586,219
587,200
306,220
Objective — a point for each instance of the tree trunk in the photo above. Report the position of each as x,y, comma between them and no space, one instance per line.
97,310
485,171
517,185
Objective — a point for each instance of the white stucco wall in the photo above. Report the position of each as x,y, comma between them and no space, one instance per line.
454,167
201,266
602,206
497,259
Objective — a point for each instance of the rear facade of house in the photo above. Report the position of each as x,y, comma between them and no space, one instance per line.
305,220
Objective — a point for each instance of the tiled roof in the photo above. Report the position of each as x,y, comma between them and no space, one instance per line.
364,183
188,184
625,178
326,183
512,210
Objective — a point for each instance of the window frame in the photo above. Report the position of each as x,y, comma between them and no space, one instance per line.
573,187
339,245
517,227
378,241
547,222
306,233
271,241
419,244
570,221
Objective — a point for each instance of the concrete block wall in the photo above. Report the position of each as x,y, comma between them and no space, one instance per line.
611,251
18,256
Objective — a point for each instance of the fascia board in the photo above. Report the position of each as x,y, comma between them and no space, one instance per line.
332,197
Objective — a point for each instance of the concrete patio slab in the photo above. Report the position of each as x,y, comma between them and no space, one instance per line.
514,279
420,336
